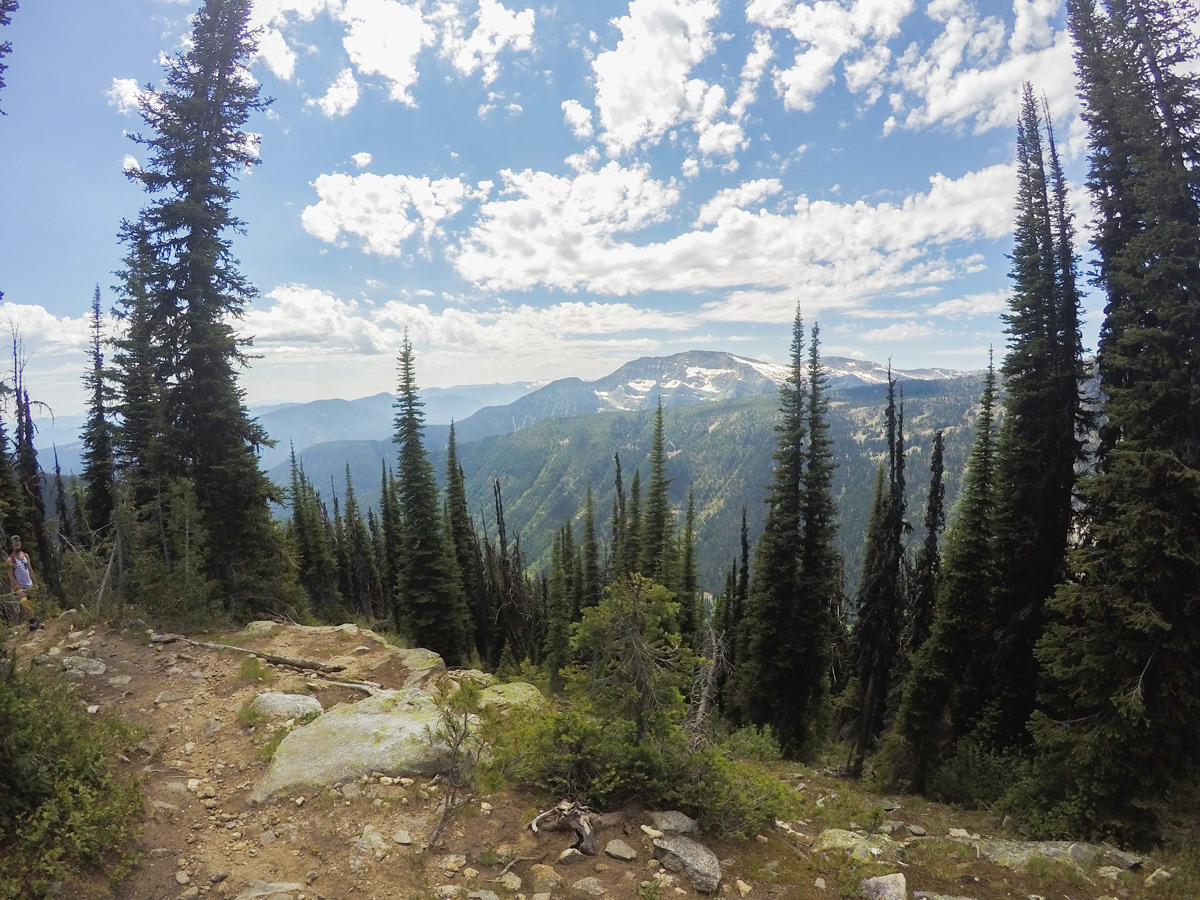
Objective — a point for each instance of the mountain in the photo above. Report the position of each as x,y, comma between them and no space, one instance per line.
684,379
721,450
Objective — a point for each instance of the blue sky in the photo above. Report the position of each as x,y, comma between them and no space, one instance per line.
545,190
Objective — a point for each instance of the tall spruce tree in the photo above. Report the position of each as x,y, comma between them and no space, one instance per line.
98,467
593,577
460,531
928,564
656,552
946,689
189,289
1120,717
7,8
1042,431
876,634
783,638
429,602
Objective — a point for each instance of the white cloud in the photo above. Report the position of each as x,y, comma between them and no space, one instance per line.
383,210
305,321
986,304
578,118
690,168
124,94
737,198
752,73
362,160
642,85
274,51
555,230
384,38
825,32
899,332
130,164
567,234
495,29
341,96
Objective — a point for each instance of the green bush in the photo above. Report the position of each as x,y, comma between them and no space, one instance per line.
975,776
63,808
753,743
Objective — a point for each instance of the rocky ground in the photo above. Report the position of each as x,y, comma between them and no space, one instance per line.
222,821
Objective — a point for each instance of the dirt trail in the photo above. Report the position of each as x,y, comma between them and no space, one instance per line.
202,838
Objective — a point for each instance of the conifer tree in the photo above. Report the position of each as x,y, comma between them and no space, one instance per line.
631,543
616,550
1120,717
98,467
363,576
880,594
465,542
7,8
783,639
556,652
190,289
691,617
62,510
1041,437
657,545
429,604
593,578
946,690
316,568
389,529
928,564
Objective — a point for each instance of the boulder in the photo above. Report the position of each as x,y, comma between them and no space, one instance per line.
1016,855
884,887
514,694
388,733
1122,859
83,665
618,849
274,705
864,847
268,890
674,822
690,859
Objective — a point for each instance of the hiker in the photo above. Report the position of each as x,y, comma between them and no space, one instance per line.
20,576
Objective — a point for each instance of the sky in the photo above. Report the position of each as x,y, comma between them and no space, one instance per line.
547,190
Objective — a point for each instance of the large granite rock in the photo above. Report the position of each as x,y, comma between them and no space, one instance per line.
274,705
388,733
865,847
690,859
884,887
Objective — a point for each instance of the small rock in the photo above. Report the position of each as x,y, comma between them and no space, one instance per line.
278,706
692,860
182,878
93,709
819,884
1110,872
171,696
761,838
189,747
267,837
884,887
1083,854
82,665
916,831
211,727
351,790
570,855
1158,876
371,841
963,835
453,862
1123,859
674,822
218,876
543,879
742,887
402,837
190,894
618,849
510,881
590,886
262,890
483,895
470,874
651,832
312,876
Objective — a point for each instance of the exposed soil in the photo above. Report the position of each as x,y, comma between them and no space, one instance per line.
202,838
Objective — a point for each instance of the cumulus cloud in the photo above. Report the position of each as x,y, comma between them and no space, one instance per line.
383,210
341,96
737,198
569,234
362,160
578,118
385,38
496,28
275,53
130,164
985,304
304,320
553,230
899,332
124,94
825,33
642,85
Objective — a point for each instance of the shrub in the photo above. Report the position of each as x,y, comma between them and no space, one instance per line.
975,776
753,743
63,808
